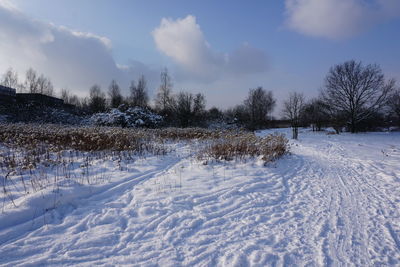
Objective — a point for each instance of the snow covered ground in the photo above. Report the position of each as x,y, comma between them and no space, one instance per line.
335,200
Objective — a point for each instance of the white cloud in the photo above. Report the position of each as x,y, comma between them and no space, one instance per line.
337,19
8,4
87,35
72,59
183,41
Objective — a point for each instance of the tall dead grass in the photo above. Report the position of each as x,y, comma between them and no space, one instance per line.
226,145
35,156
239,147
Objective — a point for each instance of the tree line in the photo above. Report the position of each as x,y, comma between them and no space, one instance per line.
34,83
355,97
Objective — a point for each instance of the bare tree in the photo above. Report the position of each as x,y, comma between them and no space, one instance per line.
114,94
356,92
65,95
75,100
10,79
237,114
44,85
97,99
31,81
164,99
394,105
133,91
292,109
139,96
69,98
190,109
214,114
314,114
84,104
184,108
38,84
199,107
259,105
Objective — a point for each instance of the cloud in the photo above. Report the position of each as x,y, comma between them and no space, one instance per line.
338,19
183,41
247,60
72,59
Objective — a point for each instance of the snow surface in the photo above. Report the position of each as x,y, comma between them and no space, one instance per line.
335,200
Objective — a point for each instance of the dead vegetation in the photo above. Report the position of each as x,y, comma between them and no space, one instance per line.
34,157
101,138
57,138
239,147
222,145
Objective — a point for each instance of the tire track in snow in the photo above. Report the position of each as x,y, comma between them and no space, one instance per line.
90,212
360,226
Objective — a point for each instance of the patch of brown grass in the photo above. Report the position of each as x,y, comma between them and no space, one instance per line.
221,145
243,146
57,138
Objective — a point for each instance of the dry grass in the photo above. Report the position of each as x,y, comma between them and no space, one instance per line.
100,138
239,147
33,157
180,134
57,138
226,145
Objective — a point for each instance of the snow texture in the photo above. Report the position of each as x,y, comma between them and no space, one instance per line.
132,117
335,200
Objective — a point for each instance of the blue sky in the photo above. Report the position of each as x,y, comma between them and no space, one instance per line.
219,48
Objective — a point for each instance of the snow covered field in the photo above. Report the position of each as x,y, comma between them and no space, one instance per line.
335,200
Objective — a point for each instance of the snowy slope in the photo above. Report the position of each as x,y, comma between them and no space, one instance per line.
334,201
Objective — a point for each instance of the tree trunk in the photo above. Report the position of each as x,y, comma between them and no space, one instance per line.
295,132
353,126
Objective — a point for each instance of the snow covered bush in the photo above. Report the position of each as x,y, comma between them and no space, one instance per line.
131,117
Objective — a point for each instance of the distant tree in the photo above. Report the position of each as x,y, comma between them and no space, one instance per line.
69,98
132,91
44,85
38,84
84,104
238,115
31,81
97,99
164,100
199,108
114,93
292,110
214,114
139,96
74,100
259,105
10,79
354,92
184,107
314,114
65,95
394,105
189,109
